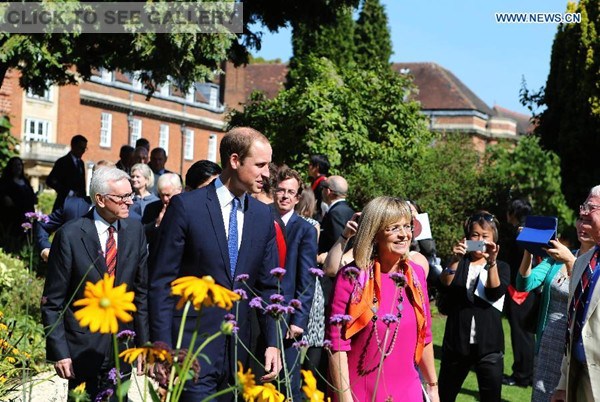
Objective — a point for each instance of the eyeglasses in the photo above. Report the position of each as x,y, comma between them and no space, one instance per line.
406,229
484,216
588,208
281,191
120,198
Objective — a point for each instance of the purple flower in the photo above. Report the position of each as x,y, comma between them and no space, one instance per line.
242,293
316,272
277,298
295,303
229,327
229,317
389,319
26,226
36,216
351,272
242,277
276,310
112,375
399,279
278,272
126,334
340,319
104,395
256,303
290,310
327,344
300,344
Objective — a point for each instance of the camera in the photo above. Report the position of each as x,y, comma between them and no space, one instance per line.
475,245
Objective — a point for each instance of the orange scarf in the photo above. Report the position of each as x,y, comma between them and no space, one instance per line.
368,288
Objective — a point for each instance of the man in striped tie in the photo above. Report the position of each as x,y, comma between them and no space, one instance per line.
580,371
104,241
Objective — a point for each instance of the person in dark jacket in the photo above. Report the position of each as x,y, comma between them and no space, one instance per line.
68,174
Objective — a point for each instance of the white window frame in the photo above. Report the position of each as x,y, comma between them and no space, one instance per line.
105,129
41,130
163,137
136,131
188,145
190,95
107,76
213,98
46,95
165,89
212,147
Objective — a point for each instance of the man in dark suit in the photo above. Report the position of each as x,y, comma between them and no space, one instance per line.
301,255
68,174
218,230
335,190
168,185
318,170
78,256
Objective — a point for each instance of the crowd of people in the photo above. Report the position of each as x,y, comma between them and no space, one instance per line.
361,321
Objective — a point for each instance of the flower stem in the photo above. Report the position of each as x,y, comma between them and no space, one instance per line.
117,366
186,308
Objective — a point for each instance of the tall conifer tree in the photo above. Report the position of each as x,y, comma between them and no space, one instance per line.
372,36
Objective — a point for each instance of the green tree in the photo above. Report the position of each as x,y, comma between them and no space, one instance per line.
8,143
570,124
372,36
344,113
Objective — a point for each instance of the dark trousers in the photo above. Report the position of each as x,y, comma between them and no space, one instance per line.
522,341
455,368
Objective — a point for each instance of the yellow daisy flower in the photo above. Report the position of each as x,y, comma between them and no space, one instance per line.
105,306
202,292
310,387
150,352
246,380
80,389
3,327
268,393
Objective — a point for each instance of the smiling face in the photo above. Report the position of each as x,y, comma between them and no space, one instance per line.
138,180
394,239
286,195
253,170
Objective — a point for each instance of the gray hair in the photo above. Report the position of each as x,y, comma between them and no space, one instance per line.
595,191
102,177
145,171
169,178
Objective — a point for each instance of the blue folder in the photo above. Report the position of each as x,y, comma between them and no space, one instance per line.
537,233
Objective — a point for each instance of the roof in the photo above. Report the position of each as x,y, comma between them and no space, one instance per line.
440,89
524,123
268,78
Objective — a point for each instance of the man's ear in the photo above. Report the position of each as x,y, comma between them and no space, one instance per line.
99,200
234,161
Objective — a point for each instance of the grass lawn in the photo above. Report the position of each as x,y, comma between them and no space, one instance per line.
469,390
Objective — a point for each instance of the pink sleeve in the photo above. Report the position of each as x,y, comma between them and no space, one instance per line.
423,284
340,297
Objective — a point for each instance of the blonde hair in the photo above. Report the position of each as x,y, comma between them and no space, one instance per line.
146,172
377,214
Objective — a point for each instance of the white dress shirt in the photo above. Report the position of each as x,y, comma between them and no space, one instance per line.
225,201
102,229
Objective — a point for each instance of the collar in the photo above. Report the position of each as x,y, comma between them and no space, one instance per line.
336,201
225,196
101,224
287,216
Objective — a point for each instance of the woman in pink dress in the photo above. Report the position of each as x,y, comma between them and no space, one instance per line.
380,325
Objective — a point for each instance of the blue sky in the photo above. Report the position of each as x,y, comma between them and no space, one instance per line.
463,37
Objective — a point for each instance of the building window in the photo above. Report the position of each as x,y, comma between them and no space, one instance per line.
163,137
106,76
36,130
45,94
190,95
136,131
213,99
105,129
188,144
212,148
165,89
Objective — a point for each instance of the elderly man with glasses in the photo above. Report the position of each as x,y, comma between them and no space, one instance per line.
105,241
580,371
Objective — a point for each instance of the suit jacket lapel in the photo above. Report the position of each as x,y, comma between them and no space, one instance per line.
216,218
123,246
246,244
91,243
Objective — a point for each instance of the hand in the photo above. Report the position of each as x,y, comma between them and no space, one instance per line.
160,215
560,252
44,254
321,258
272,364
460,248
559,395
492,250
294,332
351,226
432,393
64,369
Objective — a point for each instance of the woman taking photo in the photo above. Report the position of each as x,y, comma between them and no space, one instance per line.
142,180
380,327
473,287
552,274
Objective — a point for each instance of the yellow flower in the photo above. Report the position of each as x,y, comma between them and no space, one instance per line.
3,379
310,387
11,359
80,389
268,393
3,327
149,352
247,384
105,306
202,292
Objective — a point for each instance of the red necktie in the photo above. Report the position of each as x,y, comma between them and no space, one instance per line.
111,252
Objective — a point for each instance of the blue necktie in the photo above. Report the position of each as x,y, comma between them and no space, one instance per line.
232,241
